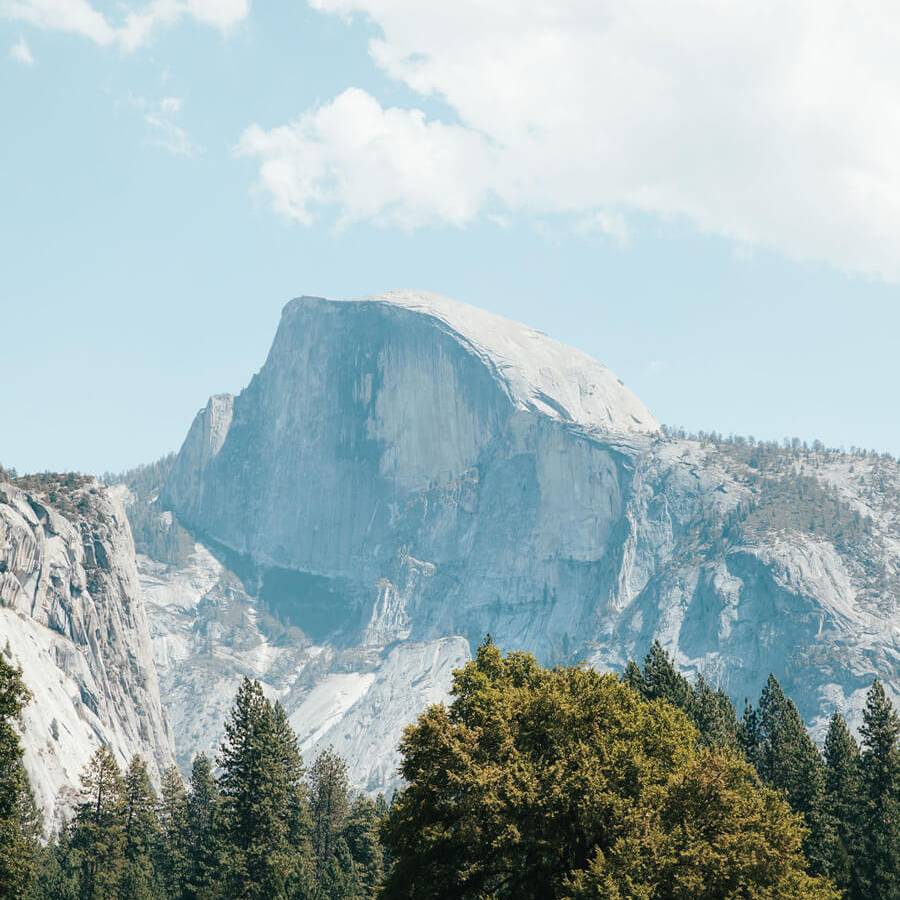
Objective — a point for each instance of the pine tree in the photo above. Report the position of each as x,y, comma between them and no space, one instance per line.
789,761
710,709
712,712
363,841
340,878
142,834
329,805
20,824
749,739
203,849
880,777
98,833
842,803
171,850
661,680
262,799
58,873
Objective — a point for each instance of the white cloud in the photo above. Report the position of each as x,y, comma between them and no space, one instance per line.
170,104
135,29
771,123
387,165
21,52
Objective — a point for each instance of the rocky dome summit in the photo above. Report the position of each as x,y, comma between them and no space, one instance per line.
538,372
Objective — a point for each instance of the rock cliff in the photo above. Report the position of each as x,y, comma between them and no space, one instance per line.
406,474
71,616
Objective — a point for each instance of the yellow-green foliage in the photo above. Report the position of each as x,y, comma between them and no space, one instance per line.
542,783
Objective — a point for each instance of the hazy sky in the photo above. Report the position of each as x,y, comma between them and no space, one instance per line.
705,196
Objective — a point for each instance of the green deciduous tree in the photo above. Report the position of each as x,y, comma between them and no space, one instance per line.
534,780
716,835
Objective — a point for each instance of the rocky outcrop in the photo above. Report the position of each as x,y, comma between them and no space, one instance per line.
71,616
406,474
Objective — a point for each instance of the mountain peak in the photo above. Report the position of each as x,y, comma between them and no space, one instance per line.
538,372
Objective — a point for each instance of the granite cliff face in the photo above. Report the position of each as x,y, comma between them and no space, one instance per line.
406,474
72,617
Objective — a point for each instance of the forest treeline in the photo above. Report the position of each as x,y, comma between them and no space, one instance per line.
531,783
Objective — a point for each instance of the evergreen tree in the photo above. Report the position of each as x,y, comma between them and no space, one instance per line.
98,834
661,680
340,879
262,799
749,739
203,849
842,803
382,811
329,798
58,873
363,841
712,712
880,777
171,849
142,834
709,708
20,824
789,761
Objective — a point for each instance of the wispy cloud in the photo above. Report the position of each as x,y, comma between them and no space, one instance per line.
133,30
21,52
163,130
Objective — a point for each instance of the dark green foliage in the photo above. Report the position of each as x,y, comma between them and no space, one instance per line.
712,712
340,877
843,804
708,708
264,827
361,834
329,793
20,826
171,849
98,831
58,875
880,782
142,835
203,846
788,760
748,734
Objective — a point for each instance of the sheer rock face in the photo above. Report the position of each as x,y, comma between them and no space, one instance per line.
405,471
406,474
71,616
380,447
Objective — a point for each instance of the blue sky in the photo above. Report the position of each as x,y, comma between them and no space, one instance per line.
724,236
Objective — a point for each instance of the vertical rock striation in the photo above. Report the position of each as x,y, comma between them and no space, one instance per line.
72,617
